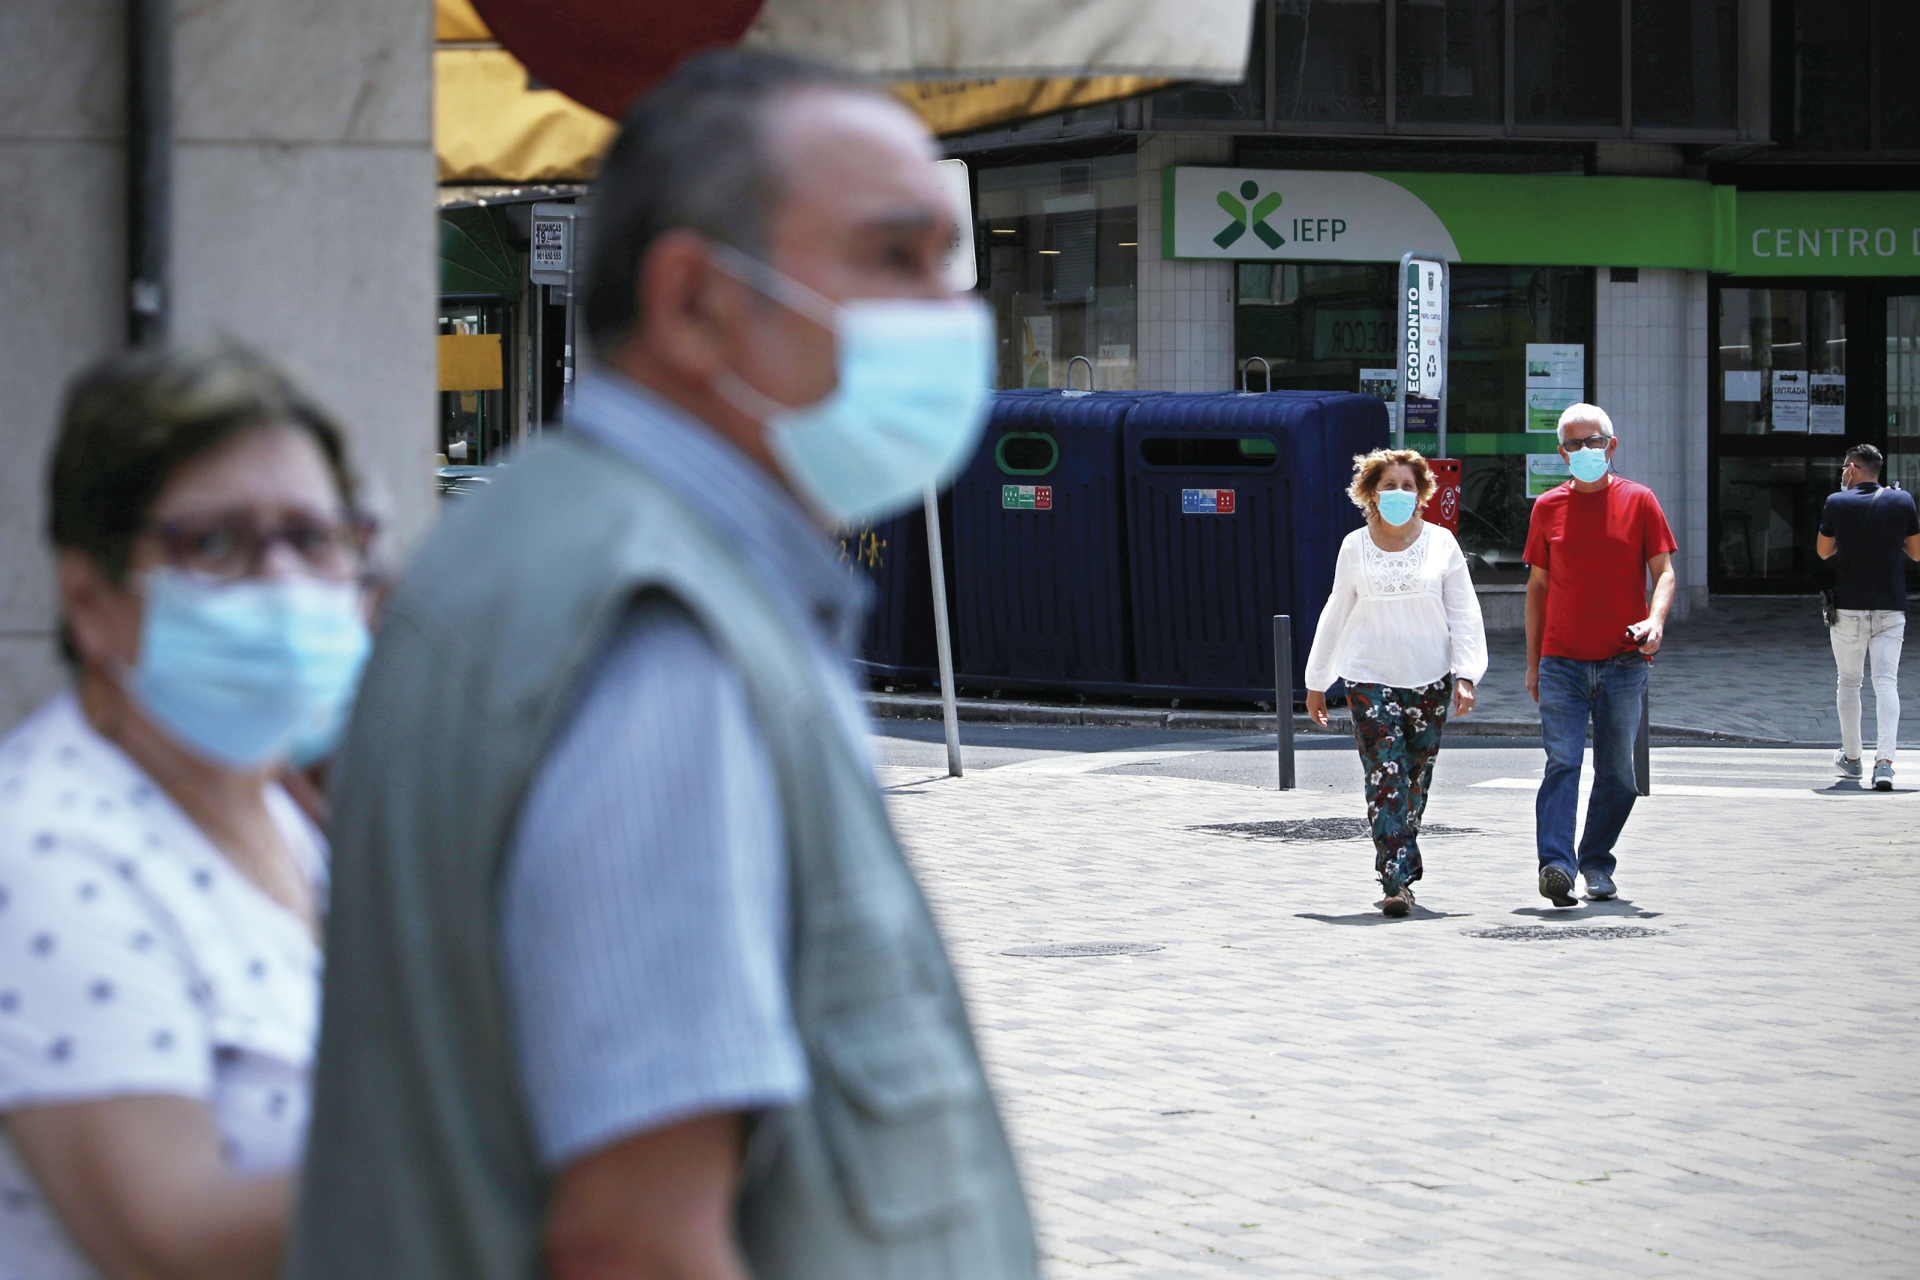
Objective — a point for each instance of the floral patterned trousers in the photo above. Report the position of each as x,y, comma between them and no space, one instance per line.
1398,732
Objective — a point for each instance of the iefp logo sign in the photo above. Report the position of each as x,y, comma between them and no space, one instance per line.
1244,217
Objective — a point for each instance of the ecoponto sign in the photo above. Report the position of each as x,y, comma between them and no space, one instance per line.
1295,214
1423,357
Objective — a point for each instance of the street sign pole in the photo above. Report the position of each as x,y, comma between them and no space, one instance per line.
553,257
1446,381
942,636
1400,382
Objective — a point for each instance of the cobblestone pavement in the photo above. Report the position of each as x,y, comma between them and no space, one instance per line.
1749,666
1711,1077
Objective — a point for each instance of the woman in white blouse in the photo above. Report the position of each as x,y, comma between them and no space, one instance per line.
159,973
1403,629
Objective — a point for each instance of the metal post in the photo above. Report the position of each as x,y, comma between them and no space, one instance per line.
1283,695
1643,746
1400,358
943,642
567,362
1446,374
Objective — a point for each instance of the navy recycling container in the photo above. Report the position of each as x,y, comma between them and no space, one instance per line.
1235,508
1039,543
898,641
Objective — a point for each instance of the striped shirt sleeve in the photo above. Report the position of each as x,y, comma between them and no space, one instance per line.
644,905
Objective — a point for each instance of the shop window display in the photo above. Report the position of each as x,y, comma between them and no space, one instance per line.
1061,254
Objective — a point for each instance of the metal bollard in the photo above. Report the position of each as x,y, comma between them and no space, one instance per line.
1643,746
1283,695
942,637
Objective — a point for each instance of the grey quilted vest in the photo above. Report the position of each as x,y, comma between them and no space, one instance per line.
421,1163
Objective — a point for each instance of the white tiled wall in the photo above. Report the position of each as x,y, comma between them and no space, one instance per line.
1185,308
1650,363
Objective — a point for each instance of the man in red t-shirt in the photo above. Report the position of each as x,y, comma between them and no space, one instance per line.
1591,635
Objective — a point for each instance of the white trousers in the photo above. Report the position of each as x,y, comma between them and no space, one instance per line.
1861,634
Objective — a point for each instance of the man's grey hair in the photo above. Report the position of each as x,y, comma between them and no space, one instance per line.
1590,414
690,154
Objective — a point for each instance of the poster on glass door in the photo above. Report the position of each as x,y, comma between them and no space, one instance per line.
1827,404
1790,400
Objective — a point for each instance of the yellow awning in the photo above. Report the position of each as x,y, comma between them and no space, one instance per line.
955,106
490,127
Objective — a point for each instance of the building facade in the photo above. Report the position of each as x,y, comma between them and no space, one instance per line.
1704,217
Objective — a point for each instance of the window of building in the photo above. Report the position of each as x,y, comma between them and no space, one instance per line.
1062,255
1452,54
1841,71
1330,61
1244,101
476,428
1832,88
1507,67
1684,64
1566,62
1330,326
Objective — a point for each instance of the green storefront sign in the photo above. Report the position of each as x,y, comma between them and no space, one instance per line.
1536,220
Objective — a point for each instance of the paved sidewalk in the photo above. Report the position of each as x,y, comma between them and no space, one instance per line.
1753,667
1293,1086
1749,668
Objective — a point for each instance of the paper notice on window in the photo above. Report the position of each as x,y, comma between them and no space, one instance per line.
1743,386
1384,383
1545,471
1790,400
1827,407
1556,379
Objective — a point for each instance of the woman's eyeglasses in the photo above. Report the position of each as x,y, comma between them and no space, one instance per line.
237,546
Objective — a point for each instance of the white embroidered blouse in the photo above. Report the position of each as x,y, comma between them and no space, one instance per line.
1402,618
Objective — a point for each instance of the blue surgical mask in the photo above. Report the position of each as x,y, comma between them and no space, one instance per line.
1397,505
241,672
1587,465
915,378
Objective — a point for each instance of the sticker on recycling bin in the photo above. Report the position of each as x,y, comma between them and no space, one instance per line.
1206,502
1026,497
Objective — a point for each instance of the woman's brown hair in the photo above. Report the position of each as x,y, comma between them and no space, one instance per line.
1368,468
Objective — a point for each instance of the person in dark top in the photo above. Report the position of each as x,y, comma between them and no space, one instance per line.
1869,531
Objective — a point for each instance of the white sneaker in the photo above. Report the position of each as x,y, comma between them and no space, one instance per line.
1883,775
1849,767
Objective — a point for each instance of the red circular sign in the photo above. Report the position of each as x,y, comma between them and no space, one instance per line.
605,53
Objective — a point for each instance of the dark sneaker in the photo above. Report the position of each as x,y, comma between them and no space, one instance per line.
1557,885
1600,889
1397,906
1883,775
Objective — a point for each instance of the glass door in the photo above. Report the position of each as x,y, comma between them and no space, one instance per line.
1781,426
1903,390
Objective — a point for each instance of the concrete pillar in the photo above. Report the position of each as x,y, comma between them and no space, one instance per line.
303,223
1651,377
1185,313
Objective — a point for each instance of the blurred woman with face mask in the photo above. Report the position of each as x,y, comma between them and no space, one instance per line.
1402,627
159,891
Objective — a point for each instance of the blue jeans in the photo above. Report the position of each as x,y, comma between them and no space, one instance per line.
1572,693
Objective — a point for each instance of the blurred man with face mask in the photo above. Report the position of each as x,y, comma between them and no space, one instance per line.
627,975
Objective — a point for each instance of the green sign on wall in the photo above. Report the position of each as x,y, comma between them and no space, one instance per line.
1829,233
1536,220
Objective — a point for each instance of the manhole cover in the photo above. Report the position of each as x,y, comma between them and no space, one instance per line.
1308,829
1555,932
1086,949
